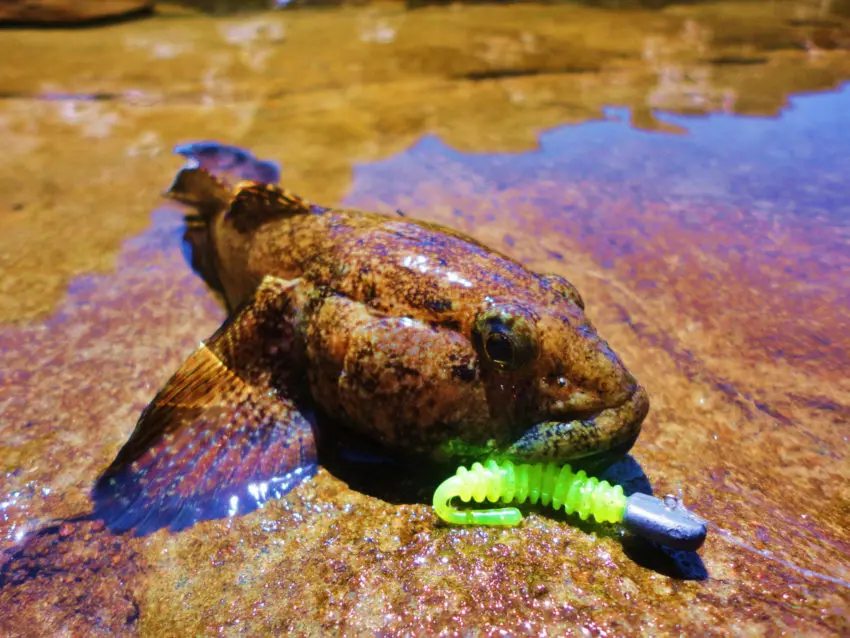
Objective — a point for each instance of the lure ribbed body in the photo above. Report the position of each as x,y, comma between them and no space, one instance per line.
536,483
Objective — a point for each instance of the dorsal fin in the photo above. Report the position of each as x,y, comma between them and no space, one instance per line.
255,203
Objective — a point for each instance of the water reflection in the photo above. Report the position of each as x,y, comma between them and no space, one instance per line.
482,78
739,216
794,163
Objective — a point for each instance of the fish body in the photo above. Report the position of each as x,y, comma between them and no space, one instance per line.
405,333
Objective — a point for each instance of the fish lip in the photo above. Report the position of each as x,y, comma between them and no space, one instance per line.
592,438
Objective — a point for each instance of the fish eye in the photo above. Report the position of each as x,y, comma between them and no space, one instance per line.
504,339
500,349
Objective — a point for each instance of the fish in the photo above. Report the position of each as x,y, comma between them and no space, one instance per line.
357,326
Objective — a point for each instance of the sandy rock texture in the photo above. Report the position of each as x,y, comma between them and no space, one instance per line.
685,167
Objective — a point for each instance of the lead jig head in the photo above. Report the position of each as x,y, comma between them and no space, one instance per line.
666,522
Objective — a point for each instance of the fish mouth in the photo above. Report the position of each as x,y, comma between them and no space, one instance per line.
587,440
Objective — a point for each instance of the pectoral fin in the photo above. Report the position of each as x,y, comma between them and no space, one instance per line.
226,432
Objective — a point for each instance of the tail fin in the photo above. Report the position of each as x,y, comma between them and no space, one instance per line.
212,169
230,164
210,183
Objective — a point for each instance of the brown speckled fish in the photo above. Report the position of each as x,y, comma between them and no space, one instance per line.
404,332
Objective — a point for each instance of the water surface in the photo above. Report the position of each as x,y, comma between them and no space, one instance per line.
684,167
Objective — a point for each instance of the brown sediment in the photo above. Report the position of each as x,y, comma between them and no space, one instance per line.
70,12
743,352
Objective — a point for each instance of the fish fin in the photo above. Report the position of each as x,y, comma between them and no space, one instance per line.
202,190
255,203
209,196
224,434
229,163
198,248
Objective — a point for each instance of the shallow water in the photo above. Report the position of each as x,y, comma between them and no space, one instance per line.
684,167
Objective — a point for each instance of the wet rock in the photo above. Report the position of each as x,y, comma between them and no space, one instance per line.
711,252
69,11
74,569
484,79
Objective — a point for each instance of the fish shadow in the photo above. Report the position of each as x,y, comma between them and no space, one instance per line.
667,561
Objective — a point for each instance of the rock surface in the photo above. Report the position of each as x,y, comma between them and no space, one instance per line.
69,11
712,252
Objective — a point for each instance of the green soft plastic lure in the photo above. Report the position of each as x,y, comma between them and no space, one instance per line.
665,521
